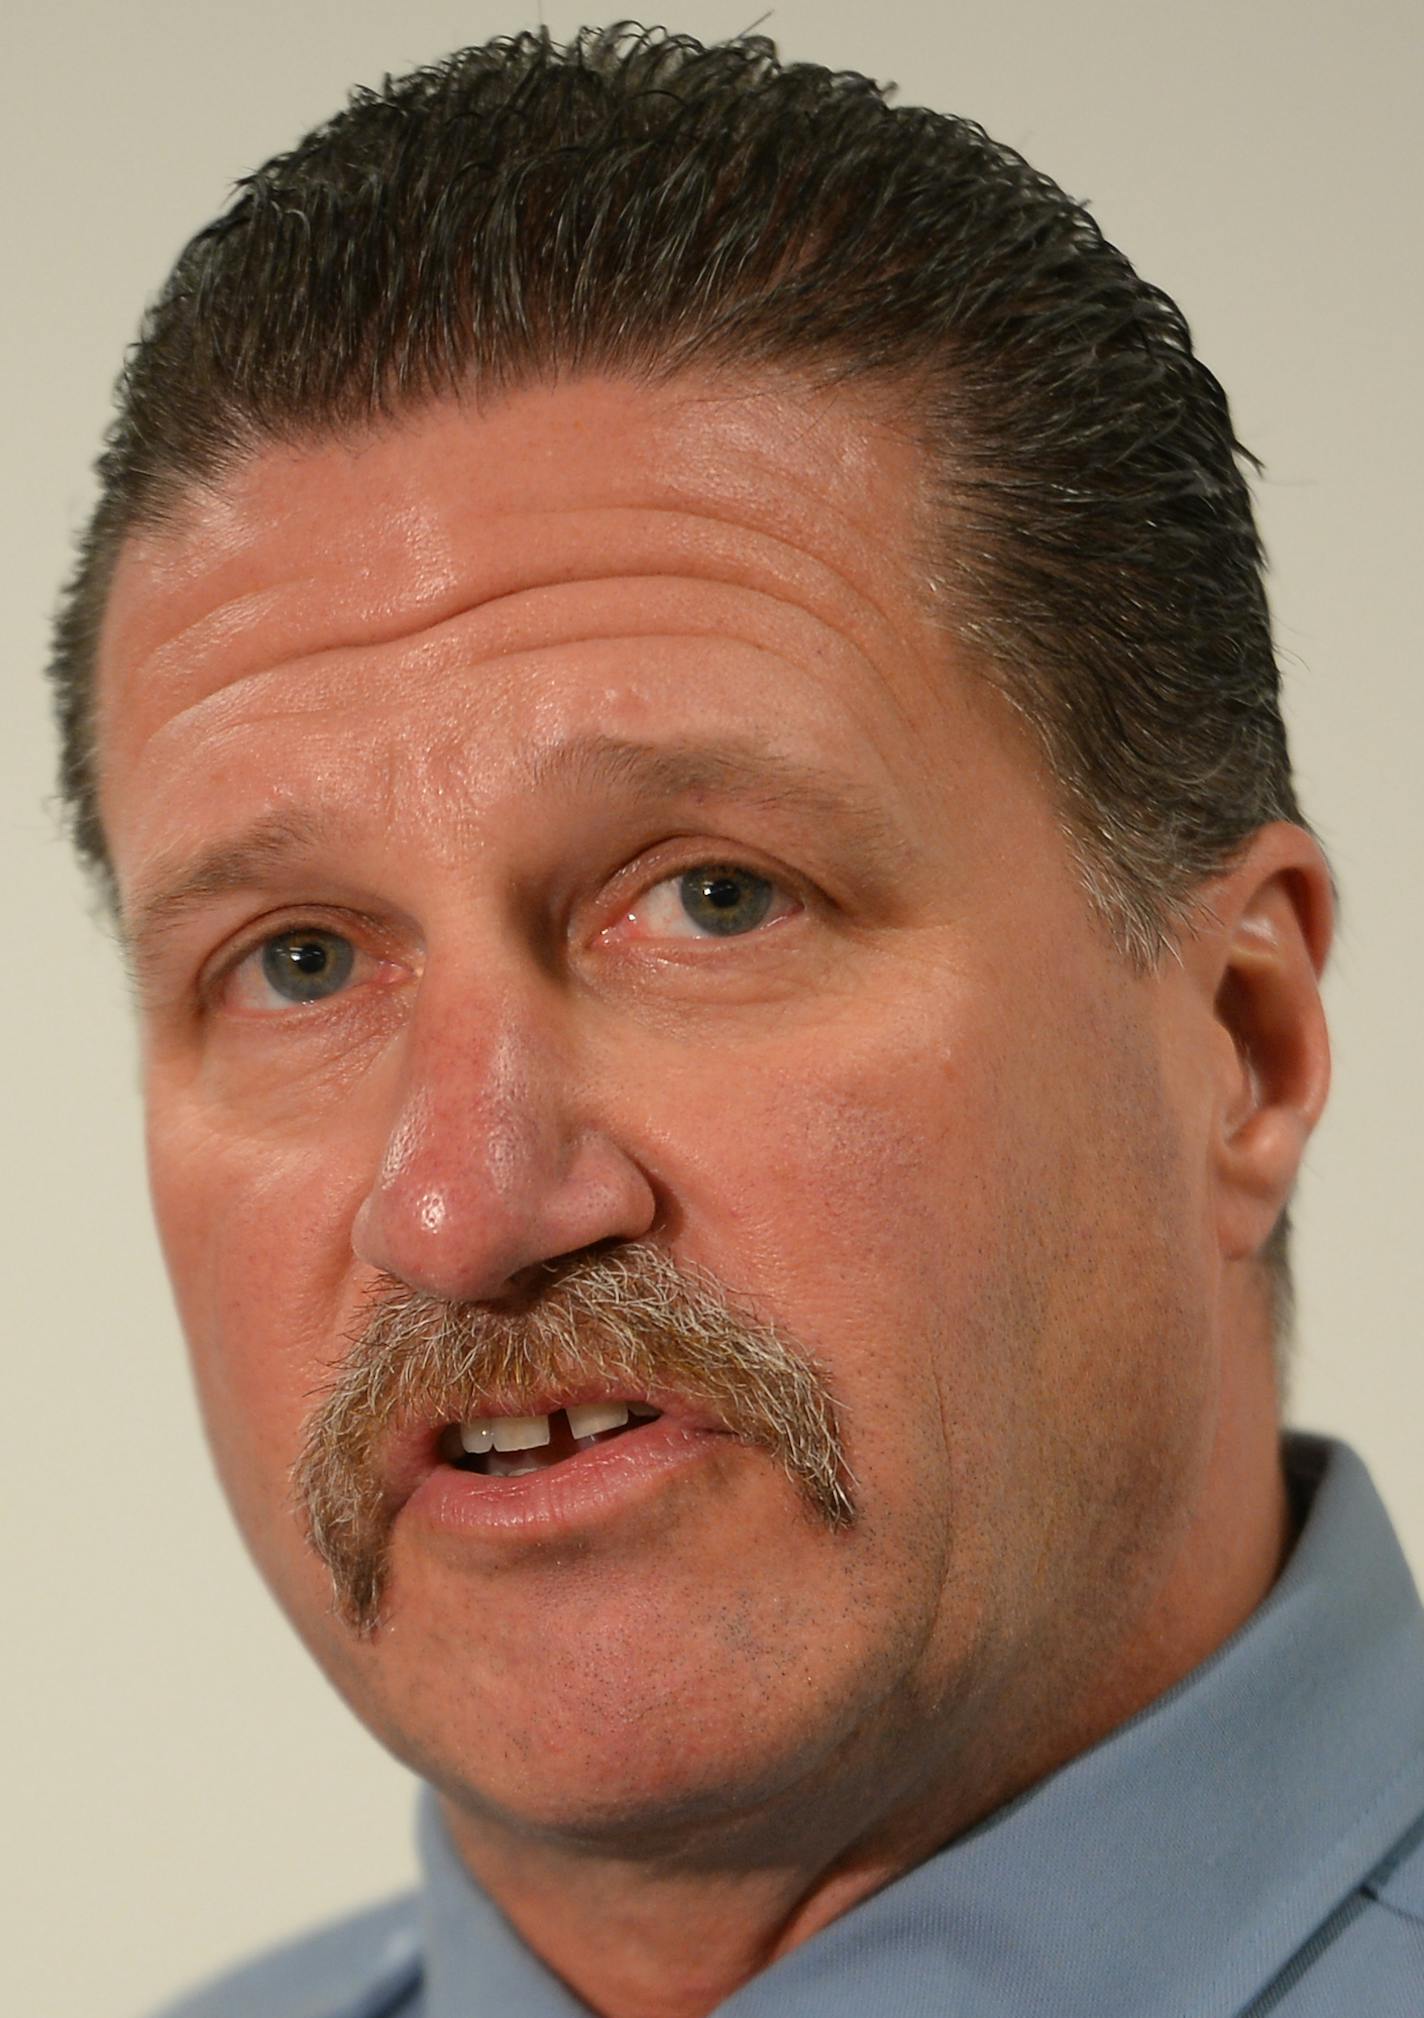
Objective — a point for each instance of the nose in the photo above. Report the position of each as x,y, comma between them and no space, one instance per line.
492,1164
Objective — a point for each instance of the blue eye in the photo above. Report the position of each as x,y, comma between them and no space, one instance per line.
725,900
712,900
307,966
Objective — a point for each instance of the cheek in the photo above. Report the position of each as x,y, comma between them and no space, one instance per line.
878,1204
256,1236
879,1172
971,1207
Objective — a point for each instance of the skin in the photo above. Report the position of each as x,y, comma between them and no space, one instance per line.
1008,1191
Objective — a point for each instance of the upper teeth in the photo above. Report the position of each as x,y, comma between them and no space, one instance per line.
528,1432
520,1432
596,1416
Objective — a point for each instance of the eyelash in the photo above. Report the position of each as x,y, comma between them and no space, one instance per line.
339,924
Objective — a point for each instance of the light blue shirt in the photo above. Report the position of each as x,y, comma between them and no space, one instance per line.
1251,1844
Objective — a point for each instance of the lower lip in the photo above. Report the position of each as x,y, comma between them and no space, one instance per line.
592,1486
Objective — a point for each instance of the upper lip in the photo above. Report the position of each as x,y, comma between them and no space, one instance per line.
412,1451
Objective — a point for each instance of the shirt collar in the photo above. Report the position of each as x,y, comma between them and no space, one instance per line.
1178,1865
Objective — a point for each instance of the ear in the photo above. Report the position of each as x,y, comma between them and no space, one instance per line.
1257,951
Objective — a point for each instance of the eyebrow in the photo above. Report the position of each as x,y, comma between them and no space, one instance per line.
729,769
182,883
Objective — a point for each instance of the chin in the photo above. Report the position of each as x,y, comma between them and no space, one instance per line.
643,1724
658,1792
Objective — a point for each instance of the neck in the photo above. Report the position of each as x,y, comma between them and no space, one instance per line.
674,1936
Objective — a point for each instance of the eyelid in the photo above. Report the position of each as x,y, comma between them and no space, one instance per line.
699,856
219,970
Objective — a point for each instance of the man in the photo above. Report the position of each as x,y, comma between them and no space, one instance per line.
671,687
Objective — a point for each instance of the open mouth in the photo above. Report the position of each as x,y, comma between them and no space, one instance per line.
509,1446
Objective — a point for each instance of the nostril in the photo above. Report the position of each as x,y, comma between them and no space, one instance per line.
528,1285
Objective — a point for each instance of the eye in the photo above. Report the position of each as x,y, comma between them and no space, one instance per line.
303,965
721,900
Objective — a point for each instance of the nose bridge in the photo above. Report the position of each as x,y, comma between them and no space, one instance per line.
489,1164
466,1121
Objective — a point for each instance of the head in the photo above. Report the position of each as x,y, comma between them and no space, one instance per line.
568,474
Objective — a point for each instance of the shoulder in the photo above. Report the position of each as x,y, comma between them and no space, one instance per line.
1399,1883
365,1966
1369,1956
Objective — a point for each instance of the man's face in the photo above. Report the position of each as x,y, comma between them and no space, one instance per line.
445,721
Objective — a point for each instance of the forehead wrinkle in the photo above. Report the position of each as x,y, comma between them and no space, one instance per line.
226,629
537,622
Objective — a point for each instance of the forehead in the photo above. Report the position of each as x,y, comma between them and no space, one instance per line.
769,531
456,505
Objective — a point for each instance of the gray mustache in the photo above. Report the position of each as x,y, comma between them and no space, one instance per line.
630,1318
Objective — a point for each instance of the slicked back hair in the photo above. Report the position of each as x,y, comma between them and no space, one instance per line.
633,202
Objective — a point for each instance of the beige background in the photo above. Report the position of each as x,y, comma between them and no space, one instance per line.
180,1783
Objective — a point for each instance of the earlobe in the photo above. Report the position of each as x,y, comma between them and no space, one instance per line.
1272,916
